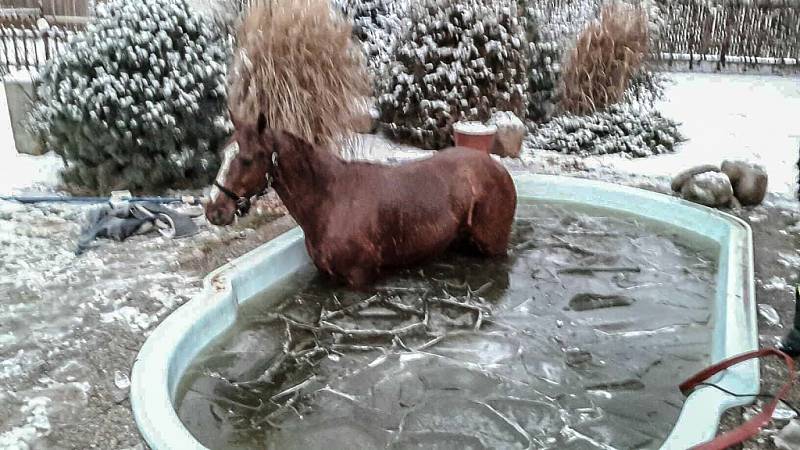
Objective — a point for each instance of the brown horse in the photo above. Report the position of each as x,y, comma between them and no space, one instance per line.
359,218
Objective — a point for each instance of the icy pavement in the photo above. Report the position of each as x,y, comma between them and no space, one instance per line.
727,116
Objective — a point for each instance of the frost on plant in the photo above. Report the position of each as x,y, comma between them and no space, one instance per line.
137,100
377,24
457,61
628,127
544,54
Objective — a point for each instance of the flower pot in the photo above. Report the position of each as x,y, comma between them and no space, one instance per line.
474,135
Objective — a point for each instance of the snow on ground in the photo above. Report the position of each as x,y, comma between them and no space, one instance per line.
729,116
724,116
70,326
22,171
378,148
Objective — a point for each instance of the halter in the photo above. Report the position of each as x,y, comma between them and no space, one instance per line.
243,203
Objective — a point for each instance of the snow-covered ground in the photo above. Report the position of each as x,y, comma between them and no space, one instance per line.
71,326
19,171
728,116
724,116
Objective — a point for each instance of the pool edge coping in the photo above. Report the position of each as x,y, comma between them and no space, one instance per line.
154,368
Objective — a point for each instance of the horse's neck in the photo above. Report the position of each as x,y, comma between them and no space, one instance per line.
305,183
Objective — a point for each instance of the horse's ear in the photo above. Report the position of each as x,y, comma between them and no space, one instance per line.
261,125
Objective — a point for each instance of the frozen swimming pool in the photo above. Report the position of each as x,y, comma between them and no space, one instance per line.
730,300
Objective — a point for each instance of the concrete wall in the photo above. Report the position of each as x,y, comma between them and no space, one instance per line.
20,93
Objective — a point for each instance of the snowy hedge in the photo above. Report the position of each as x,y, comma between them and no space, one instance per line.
544,63
459,60
627,127
377,24
137,100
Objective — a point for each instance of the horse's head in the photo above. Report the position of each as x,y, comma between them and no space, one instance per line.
244,173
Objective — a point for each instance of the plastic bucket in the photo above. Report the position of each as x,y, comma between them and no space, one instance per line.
474,135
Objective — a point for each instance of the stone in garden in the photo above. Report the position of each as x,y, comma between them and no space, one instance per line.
509,136
708,188
749,181
681,178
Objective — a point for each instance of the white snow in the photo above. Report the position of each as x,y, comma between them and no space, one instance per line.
474,128
727,116
37,424
751,117
769,314
789,260
779,284
21,171
507,120
130,316
378,148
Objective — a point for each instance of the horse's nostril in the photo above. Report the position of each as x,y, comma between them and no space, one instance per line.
217,218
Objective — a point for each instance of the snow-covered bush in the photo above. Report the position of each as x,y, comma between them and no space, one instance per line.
626,127
563,20
544,62
377,24
458,60
552,29
137,100
227,14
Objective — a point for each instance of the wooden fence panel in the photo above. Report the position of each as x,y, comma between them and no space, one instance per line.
738,29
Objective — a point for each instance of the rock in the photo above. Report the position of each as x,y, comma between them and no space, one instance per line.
789,437
510,133
121,380
749,181
709,188
681,178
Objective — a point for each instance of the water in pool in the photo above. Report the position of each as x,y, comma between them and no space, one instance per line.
577,340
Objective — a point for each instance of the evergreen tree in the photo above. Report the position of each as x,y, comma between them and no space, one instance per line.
458,60
137,100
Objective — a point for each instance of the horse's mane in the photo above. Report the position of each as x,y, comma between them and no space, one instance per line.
296,62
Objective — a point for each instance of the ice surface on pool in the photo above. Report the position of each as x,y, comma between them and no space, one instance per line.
590,324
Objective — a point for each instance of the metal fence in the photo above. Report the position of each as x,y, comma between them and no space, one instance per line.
33,31
721,31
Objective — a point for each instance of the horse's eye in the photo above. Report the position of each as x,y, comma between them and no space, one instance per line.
247,162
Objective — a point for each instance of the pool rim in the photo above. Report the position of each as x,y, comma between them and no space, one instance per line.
175,342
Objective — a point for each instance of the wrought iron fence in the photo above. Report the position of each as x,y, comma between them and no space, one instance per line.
33,31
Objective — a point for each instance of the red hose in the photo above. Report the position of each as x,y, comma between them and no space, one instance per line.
750,428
